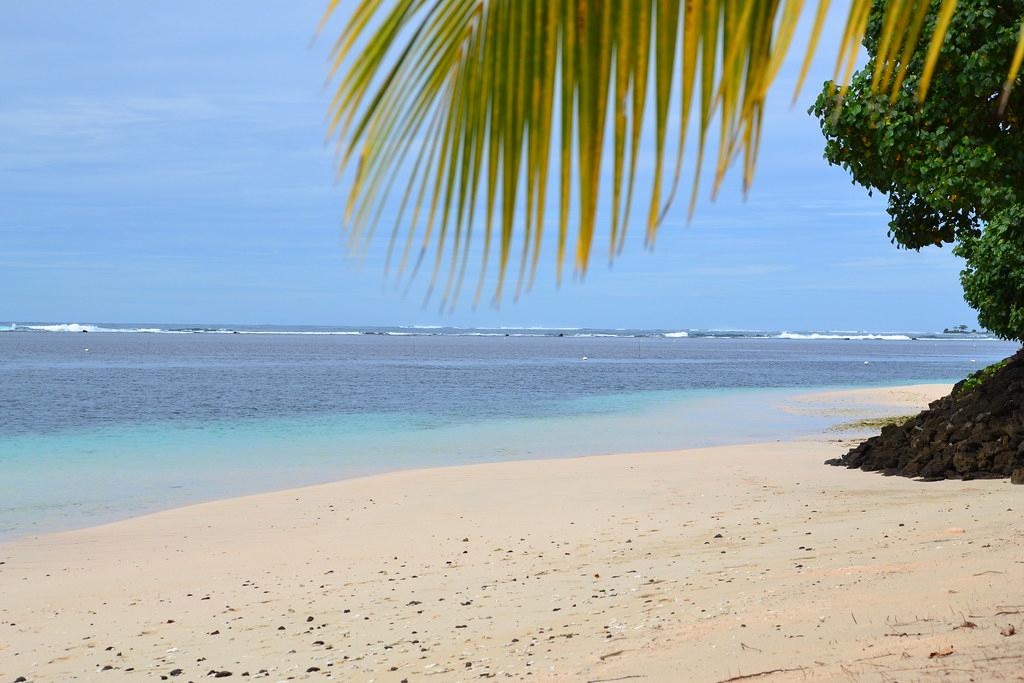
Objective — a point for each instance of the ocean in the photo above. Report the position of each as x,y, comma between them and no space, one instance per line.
105,421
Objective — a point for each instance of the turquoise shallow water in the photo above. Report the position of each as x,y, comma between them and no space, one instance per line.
142,422
87,476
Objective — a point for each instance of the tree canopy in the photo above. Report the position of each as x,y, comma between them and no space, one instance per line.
951,167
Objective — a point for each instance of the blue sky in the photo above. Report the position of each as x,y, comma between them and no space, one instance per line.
165,162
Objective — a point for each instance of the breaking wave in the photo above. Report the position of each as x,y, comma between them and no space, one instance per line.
437,330
857,337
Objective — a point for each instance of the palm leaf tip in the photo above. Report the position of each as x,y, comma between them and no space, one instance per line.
470,122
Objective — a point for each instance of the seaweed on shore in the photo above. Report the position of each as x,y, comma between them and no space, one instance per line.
871,423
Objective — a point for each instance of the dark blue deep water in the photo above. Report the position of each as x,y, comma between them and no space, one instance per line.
102,425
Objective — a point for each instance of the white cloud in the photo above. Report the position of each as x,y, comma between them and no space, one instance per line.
72,117
740,271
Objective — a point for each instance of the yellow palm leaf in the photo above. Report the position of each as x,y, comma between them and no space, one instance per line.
449,112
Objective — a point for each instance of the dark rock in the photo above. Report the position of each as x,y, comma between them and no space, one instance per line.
976,432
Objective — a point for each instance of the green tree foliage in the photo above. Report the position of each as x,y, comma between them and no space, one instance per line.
952,167
993,278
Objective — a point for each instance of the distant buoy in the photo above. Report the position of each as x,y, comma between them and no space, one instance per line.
86,350
866,363
973,361
584,358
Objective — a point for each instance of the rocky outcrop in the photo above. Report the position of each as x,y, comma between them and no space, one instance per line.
975,432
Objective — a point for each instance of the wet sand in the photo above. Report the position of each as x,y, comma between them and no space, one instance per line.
751,562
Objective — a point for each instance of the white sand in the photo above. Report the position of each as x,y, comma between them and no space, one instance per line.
701,565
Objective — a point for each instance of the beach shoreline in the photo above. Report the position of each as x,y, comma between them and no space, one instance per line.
705,564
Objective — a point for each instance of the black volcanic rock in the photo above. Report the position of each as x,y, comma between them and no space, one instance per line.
975,432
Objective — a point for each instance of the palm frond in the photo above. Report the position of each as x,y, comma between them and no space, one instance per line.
451,113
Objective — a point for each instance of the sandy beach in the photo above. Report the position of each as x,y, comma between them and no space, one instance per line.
752,562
